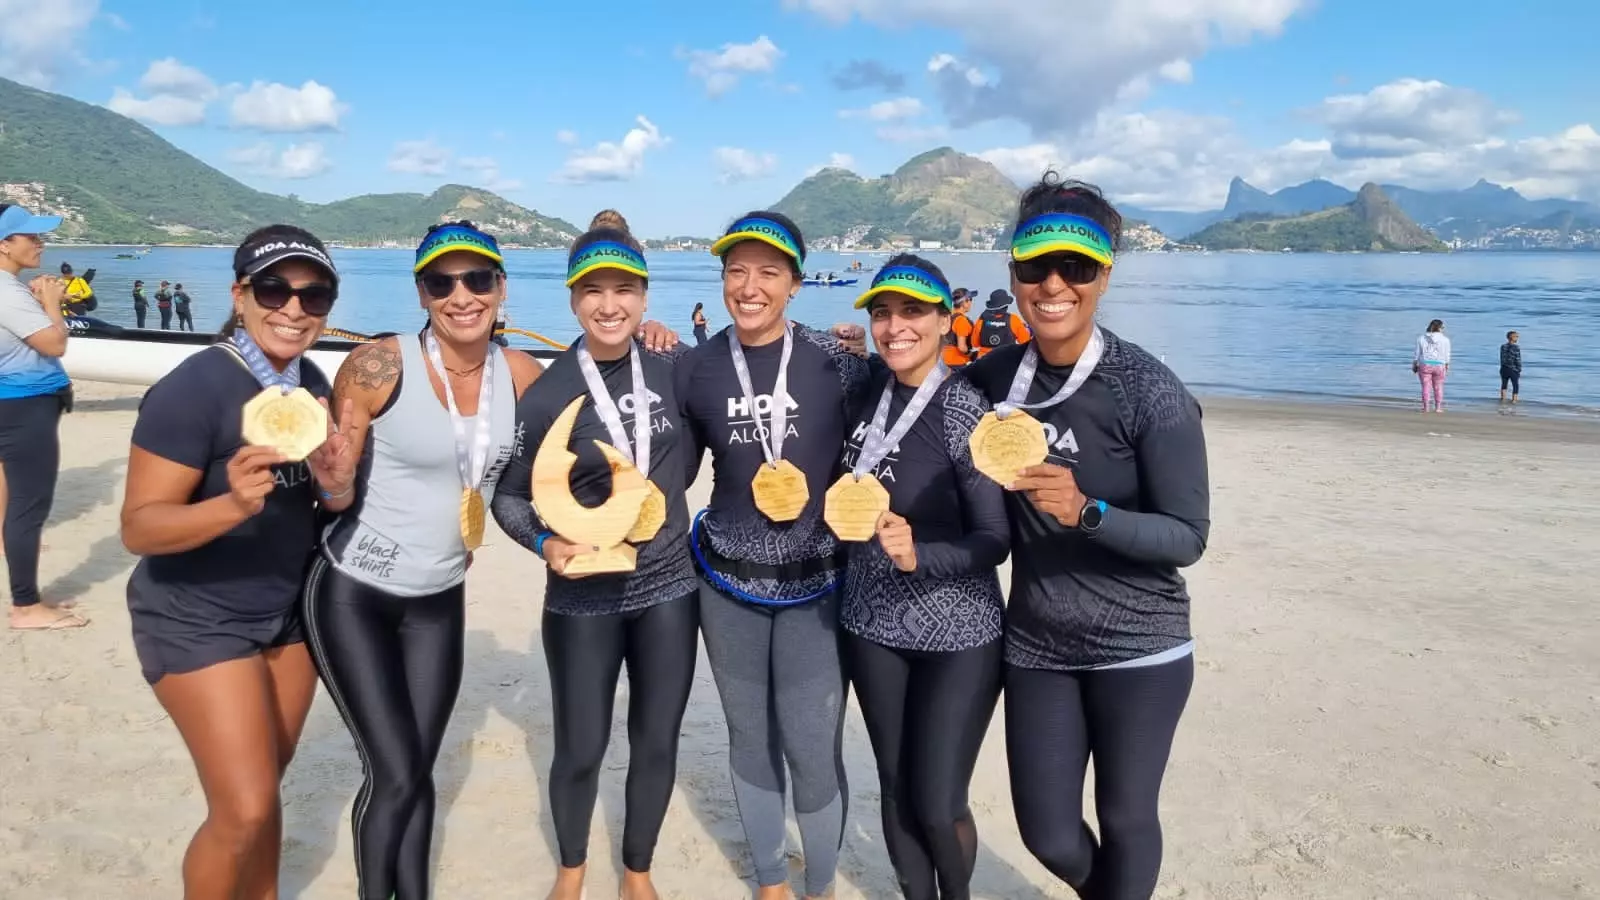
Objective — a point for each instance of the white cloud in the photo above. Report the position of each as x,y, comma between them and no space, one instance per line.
736,164
486,174
1178,71
1054,72
1409,116
912,134
886,110
420,158
835,161
117,22
38,38
607,161
178,95
294,161
277,107
566,136
722,69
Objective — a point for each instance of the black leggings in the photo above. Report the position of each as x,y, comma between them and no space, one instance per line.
926,714
585,655
393,667
1125,719
30,450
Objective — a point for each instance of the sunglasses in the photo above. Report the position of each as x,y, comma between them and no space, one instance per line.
272,292
1073,268
440,285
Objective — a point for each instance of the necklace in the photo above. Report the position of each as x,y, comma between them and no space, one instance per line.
465,372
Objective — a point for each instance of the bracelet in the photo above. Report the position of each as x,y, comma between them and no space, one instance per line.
343,493
538,542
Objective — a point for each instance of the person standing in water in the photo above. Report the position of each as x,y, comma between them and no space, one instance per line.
385,599
922,603
594,625
1099,653
180,301
141,304
699,324
1431,362
1511,367
771,400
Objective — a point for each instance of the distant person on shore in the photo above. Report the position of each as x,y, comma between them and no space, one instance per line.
164,305
80,295
1431,362
1510,367
998,326
181,304
34,392
958,340
141,304
699,323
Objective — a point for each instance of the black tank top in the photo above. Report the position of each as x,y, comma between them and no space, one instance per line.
994,330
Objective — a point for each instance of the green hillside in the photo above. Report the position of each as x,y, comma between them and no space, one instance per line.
119,182
1372,222
940,195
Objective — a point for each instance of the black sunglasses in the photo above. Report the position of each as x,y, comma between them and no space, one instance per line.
273,292
441,285
1073,268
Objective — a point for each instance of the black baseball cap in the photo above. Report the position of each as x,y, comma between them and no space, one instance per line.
273,244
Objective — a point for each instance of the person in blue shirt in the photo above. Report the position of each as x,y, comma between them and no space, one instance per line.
34,391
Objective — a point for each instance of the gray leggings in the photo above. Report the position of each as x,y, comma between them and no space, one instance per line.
783,695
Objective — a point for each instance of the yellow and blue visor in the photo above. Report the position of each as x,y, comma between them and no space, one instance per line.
760,228
450,238
605,255
1061,233
911,281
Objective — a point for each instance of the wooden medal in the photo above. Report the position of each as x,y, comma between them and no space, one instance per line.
472,519
652,515
780,491
294,423
1001,448
851,507
602,527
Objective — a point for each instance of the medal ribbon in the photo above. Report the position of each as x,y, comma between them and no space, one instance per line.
772,443
472,456
877,443
607,407
256,361
1023,381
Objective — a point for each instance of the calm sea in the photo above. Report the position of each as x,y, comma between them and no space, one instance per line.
1307,326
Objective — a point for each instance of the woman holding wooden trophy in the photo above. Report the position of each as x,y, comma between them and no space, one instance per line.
922,605
771,399
604,459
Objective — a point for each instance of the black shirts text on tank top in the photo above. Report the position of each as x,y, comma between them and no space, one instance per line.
825,383
958,523
664,570
1132,437
193,417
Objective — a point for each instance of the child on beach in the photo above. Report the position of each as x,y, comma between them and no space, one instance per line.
1431,362
1510,367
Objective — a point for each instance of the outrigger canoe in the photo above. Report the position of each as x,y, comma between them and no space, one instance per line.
101,351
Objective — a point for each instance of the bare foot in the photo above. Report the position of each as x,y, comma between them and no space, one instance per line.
39,617
637,886
774,892
569,884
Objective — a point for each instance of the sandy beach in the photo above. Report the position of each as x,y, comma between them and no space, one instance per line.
1396,695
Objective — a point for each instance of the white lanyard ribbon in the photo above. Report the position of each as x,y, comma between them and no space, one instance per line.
472,454
772,442
878,443
607,407
1023,381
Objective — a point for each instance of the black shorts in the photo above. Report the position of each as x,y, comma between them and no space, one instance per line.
1511,377
176,632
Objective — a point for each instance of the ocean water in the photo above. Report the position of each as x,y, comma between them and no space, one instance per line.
1304,326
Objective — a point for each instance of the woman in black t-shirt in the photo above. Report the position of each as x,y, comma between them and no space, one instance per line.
225,532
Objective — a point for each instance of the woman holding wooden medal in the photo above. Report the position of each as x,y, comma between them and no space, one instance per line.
385,599
771,400
1102,450
603,460
233,453
922,603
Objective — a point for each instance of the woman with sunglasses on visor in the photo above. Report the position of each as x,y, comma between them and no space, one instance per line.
771,400
1099,654
594,624
433,426
922,604
225,531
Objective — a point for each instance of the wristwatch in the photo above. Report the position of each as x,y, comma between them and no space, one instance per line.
1092,516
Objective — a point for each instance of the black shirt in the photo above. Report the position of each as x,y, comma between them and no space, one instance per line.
825,384
193,417
1132,437
664,570
958,521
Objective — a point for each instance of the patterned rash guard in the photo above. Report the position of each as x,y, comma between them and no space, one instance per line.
952,601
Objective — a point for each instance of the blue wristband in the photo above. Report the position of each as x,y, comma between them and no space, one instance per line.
538,542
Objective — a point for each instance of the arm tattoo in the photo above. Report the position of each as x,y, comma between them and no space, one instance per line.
370,367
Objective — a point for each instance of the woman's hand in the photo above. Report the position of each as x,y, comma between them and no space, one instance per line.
894,535
250,477
853,337
1053,491
657,337
49,290
558,551
334,463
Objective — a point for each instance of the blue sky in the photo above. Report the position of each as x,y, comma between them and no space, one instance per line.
685,115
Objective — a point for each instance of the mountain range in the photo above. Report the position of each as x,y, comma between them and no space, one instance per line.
1372,221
